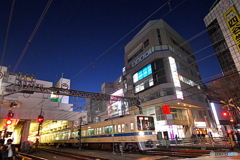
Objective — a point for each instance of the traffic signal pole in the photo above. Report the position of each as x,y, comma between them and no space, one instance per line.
8,120
40,122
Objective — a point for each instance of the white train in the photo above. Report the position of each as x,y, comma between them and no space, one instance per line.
132,132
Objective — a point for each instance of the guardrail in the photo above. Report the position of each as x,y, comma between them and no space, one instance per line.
221,142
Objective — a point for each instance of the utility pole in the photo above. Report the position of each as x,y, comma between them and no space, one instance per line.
80,133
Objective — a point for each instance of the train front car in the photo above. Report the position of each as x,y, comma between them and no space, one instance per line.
146,137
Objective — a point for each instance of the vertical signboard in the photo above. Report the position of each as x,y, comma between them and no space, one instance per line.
233,22
175,77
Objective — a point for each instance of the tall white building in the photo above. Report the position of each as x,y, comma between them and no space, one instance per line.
161,70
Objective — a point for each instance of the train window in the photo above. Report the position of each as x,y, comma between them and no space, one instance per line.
99,131
145,123
103,131
115,128
109,129
83,133
132,126
119,128
90,132
123,127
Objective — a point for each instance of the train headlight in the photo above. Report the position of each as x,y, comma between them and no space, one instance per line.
141,133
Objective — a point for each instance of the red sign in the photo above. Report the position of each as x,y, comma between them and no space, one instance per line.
166,109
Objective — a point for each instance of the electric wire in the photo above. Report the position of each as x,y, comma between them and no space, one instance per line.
203,59
7,34
32,35
102,54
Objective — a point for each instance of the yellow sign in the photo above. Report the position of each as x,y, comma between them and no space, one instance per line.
233,21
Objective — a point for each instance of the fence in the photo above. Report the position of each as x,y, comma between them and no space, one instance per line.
216,142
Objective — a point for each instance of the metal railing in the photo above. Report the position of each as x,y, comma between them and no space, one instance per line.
203,142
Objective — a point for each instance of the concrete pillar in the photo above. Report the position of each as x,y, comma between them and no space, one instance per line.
25,132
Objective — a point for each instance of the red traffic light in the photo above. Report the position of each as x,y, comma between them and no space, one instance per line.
225,113
40,119
8,122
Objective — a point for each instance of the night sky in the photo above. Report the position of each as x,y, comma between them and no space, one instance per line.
79,37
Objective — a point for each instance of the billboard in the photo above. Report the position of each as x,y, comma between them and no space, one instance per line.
233,22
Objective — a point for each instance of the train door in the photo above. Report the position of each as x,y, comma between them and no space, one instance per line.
121,129
131,129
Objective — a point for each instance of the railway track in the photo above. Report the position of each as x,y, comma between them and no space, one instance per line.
29,157
173,152
72,155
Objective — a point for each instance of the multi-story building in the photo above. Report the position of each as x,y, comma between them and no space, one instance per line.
161,70
99,110
58,113
223,24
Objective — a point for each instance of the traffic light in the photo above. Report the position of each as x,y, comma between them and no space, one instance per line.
40,119
225,113
8,121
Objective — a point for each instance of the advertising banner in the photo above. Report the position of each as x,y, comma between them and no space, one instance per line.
233,22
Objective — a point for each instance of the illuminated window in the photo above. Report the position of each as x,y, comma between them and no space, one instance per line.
119,128
90,132
132,126
103,131
142,73
108,129
123,127
144,85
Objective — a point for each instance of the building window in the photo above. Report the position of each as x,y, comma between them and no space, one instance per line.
142,73
144,85
159,37
146,43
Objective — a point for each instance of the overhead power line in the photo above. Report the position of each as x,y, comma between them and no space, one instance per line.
32,35
8,29
106,51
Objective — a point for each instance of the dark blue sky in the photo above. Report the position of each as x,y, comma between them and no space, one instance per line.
75,32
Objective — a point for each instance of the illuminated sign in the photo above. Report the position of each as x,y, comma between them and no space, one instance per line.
166,109
175,77
115,105
142,73
233,22
144,56
200,124
55,98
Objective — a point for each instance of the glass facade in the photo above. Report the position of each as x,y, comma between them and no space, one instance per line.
220,46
